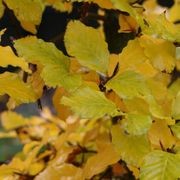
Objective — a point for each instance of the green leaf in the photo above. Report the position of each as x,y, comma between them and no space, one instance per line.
12,85
128,85
11,120
28,12
89,103
87,45
159,165
137,124
55,63
132,149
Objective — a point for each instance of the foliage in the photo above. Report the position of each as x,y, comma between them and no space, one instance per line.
117,114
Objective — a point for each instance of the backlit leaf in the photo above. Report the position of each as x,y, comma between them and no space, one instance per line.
132,149
98,105
158,25
55,63
176,129
87,45
161,53
9,58
160,165
12,85
137,124
23,12
128,85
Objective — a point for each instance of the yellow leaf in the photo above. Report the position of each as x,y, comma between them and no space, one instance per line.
113,61
65,171
127,24
161,53
160,133
23,12
12,85
36,167
11,120
100,161
9,58
133,58
174,14
37,82
63,111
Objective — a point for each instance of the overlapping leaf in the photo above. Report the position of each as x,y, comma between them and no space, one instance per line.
132,149
137,124
160,165
23,12
128,85
87,45
12,85
89,103
9,58
55,63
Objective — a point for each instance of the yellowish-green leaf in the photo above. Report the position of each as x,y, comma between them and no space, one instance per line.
128,85
161,53
28,12
87,45
158,25
9,58
137,124
132,149
11,120
159,165
90,103
99,162
12,85
55,63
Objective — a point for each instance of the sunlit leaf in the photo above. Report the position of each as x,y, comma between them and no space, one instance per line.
137,124
87,45
132,149
9,58
176,129
161,53
12,85
98,105
55,63
23,12
133,58
128,85
160,165
158,25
